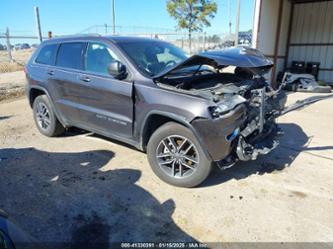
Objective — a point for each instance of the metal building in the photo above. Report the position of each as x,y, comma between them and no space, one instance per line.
295,30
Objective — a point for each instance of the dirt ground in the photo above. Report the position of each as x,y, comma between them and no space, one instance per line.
85,188
21,56
12,85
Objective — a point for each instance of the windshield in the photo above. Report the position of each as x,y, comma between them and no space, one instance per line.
153,57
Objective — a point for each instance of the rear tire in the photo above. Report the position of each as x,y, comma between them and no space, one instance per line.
176,156
45,119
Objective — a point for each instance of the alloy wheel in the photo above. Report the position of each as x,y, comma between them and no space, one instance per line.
177,156
43,116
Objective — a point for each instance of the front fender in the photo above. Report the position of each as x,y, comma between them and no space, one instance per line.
178,119
218,135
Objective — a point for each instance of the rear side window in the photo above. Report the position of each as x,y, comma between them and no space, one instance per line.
70,55
47,55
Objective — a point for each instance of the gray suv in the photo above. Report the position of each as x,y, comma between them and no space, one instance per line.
187,113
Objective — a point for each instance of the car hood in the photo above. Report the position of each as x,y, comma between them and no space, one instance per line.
244,57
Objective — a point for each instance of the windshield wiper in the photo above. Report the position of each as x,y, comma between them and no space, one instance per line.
196,71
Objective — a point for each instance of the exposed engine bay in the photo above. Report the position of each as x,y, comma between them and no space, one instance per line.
245,87
263,105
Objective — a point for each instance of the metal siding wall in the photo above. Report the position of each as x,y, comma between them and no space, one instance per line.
284,28
268,24
313,23
283,36
328,61
267,30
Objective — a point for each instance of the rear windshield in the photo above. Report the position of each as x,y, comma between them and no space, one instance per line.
47,55
70,55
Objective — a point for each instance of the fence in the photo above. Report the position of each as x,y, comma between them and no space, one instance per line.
15,50
16,47
199,41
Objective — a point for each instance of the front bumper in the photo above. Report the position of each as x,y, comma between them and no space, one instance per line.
249,149
262,144
245,132
226,137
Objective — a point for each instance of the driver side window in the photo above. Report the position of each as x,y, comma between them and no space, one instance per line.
98,57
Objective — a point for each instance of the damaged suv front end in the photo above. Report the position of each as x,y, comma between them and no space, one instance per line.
243,106
186,113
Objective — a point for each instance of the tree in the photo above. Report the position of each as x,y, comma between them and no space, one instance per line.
216,39
192,15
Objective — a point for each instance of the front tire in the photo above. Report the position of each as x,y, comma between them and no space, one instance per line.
176,156
45,119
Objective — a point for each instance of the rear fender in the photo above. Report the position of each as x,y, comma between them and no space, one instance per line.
58,115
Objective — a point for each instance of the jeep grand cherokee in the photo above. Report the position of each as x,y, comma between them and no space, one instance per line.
187,113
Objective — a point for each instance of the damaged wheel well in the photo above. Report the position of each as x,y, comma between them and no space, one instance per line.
33,94
153,122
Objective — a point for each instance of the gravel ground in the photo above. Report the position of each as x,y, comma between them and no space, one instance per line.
12,85
85,188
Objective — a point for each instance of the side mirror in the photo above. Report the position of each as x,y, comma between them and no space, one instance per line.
117,70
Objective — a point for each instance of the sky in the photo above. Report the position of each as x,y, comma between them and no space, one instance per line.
73,16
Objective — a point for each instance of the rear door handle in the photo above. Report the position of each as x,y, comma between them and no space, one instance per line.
85,78
50,72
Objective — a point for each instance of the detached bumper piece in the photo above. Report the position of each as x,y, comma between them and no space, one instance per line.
250,148
302,82
259,137
302,103
246,151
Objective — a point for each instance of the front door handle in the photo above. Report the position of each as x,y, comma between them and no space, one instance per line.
85,78
50,72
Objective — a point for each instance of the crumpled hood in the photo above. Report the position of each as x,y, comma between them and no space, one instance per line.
244,57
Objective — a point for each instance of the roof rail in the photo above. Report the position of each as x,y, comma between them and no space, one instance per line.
78,35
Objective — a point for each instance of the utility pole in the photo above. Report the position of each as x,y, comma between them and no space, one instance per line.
106,28
9,49
204,41
229,10
237,22
39,31
113,17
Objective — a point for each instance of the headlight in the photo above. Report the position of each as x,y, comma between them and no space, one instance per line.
217,111
228,103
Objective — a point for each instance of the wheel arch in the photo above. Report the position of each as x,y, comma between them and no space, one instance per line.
156,119
36,91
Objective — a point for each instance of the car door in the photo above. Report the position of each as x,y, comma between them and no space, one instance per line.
41,67
65,80
106,103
